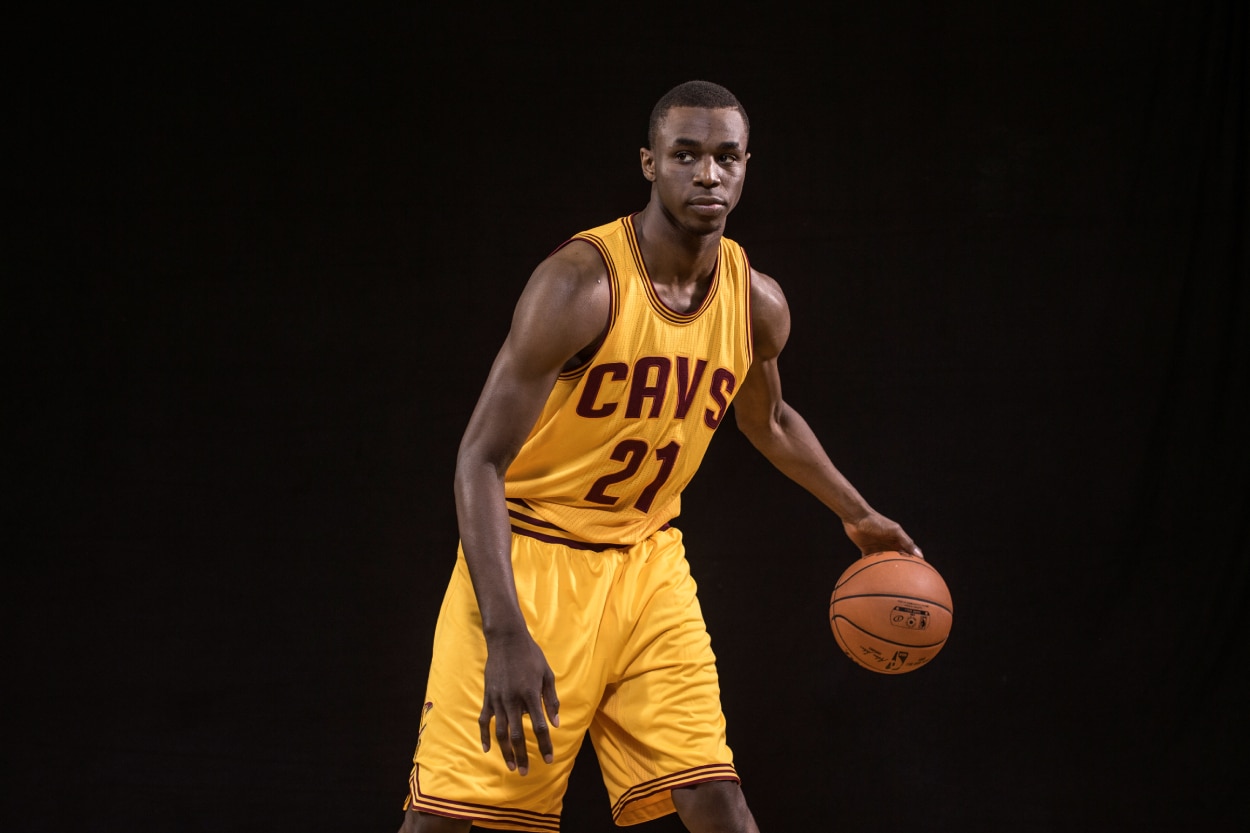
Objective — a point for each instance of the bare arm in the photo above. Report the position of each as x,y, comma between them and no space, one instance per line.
784,437
563,308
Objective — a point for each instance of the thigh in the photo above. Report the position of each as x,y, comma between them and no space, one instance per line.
451,774
660,725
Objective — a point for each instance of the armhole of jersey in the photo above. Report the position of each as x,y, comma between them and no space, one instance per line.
746,305
614,303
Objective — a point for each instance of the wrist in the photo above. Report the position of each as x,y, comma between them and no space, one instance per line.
855,513
504,628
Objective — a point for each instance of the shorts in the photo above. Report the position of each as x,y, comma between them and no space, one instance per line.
623,632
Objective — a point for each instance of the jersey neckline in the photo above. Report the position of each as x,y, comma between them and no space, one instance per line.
662,309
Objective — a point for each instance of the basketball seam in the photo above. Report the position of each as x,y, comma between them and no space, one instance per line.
863,567
949,609
886,639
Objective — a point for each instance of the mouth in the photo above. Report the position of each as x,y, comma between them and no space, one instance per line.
709,206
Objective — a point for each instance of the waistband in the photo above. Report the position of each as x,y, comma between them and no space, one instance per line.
526,522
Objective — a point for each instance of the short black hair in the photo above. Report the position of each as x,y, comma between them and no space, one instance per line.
703,94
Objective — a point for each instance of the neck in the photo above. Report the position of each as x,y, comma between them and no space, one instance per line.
673,254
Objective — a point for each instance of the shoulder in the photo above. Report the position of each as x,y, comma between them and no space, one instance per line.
577,259
565,303
573,276
770,315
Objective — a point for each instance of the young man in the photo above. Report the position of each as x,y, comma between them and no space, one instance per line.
627,346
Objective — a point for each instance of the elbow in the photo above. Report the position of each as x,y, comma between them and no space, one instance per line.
470,467
759,429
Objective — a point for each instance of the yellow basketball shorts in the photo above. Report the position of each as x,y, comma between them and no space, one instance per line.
625,637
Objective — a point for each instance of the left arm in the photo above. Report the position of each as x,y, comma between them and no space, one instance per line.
784,437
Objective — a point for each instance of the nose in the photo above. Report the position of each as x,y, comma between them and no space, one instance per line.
707,172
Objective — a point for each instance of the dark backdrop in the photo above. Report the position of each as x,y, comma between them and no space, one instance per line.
264,259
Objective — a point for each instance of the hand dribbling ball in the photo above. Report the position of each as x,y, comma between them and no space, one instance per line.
891,612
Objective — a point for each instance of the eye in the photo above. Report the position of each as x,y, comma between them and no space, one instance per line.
683,156
728,159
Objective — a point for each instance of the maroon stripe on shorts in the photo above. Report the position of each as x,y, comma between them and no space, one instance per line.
688,778
514,819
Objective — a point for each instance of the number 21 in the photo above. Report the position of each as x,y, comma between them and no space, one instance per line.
632,453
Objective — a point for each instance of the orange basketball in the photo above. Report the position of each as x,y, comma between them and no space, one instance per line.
891,612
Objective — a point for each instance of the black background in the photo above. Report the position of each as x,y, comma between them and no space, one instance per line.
262,263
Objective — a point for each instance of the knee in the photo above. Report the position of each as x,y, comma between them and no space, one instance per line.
415,822
714,807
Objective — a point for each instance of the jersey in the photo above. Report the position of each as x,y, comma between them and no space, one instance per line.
622,435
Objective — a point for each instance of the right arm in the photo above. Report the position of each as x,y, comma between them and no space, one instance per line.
782,435
563,308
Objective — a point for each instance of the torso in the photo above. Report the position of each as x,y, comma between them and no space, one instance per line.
630,417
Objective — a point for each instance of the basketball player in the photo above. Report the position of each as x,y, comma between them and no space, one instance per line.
571,608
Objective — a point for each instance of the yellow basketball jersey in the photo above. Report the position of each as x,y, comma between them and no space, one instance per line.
621,436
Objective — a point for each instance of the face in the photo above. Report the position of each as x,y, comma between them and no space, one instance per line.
698,166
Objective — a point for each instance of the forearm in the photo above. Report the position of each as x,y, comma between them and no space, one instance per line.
789,443
486,538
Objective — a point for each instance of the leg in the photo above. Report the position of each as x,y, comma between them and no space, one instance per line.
660,726
415,822
714,807
451,775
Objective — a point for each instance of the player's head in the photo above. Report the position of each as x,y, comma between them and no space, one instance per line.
696,156
702,94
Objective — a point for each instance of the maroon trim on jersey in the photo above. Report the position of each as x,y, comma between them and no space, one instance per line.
576,372
565,243
563,540
662,309
532,521
747,306
487,815
688,778
614,301
572,544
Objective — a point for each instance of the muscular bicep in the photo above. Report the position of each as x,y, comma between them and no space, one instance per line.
563,308
759,400
770,317
510,402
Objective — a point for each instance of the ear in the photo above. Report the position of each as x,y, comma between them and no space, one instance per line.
647,158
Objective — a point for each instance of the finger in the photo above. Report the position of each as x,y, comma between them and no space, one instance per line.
551,700
542,735
537,712
513,738
502,735
483,725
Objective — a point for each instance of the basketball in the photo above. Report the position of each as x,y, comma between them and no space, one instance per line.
891,612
